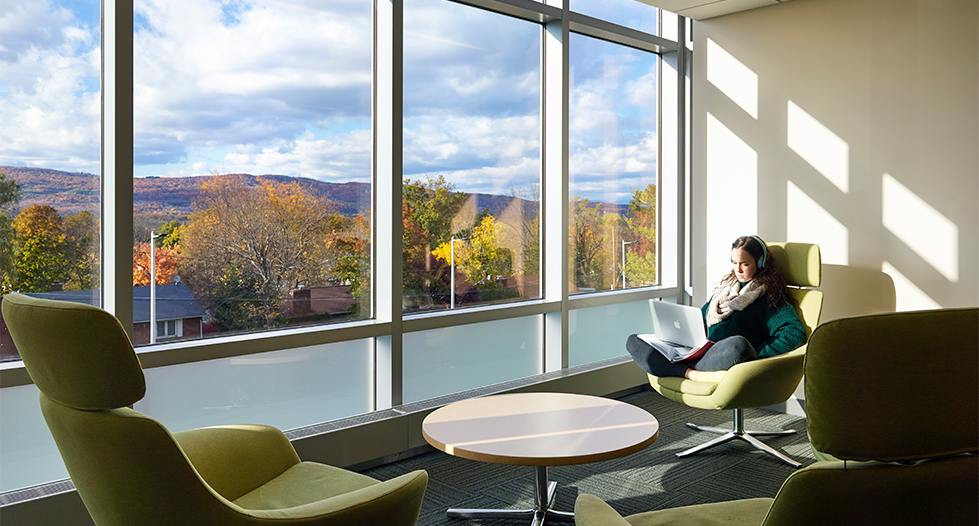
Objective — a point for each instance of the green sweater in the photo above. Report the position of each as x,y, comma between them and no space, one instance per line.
770,330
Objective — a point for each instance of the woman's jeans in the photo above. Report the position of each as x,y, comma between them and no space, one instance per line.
720,357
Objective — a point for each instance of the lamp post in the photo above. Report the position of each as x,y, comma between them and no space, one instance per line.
452,272
153,237
624,243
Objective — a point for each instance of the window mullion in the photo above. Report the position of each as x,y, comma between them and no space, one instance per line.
388,104
117,160
555,194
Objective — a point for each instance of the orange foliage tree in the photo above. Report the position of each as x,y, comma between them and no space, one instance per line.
167,261
245,248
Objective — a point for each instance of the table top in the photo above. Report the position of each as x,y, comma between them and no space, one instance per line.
540,429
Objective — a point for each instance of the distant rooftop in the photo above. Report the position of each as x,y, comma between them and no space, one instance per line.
173,302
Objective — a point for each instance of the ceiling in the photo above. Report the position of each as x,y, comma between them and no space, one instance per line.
704,9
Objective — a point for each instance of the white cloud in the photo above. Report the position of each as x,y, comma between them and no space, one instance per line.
613,126
49,97
284,86
205,84
474,152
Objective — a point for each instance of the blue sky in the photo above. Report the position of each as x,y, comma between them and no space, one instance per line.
284,86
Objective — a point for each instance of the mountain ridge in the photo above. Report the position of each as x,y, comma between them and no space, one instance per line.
72,192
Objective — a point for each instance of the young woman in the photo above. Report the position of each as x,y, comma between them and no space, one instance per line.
750,315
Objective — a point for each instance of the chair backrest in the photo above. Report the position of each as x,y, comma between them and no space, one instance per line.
125,465
895,397
76,354
802,268
895,387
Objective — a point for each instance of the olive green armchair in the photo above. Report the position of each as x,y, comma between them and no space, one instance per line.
128,469
759,383
894,399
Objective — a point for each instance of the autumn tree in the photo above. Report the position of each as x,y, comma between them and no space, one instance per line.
82,251
40,260
586,240
169,232
522,218
9,197
167,262
348,250
252,245
640,265
481,258
428,212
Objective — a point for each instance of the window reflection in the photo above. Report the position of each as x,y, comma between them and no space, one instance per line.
471,157
613,167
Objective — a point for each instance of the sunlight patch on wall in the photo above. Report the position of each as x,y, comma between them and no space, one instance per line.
808,222
922,228
909,296
819,146
733,78
732,194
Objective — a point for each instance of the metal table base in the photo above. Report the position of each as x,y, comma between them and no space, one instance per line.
539,515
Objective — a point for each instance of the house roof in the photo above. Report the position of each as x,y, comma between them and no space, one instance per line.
173,302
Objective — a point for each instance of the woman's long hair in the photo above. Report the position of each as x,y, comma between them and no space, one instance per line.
770,276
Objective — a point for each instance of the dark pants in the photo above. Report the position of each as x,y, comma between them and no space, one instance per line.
720,357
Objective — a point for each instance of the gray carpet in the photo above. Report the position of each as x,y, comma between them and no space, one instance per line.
650,479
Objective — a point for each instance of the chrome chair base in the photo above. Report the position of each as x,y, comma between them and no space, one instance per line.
540,514
739,432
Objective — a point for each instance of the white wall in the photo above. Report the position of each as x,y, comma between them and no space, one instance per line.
850,123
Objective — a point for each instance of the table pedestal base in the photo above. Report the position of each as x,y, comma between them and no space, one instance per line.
541,513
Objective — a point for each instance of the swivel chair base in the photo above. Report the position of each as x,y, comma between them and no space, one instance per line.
739,432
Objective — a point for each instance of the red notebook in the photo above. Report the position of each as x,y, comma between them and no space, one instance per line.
675,353
698,353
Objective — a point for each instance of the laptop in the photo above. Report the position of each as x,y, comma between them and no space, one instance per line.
679,326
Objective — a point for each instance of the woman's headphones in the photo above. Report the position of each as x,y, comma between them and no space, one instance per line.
764,252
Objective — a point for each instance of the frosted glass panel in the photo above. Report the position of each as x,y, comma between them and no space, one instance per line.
444,361
28,455
599,333
286,389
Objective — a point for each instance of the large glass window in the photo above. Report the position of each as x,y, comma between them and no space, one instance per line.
254,152
252,156
471,157
613,166
49,152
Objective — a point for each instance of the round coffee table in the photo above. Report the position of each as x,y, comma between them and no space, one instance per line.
539,430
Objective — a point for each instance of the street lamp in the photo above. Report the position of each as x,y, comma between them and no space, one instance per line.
624,243
153,237
452,272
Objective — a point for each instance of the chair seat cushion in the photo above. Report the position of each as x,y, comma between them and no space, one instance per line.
682,385
746,512
301,484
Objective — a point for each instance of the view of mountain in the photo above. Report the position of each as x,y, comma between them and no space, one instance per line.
72,192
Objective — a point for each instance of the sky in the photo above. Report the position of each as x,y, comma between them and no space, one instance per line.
284,87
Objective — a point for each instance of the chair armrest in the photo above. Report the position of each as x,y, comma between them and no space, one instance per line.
236,459
590,510
762,382
394,502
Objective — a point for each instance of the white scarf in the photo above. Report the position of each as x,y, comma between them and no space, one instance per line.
729,297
